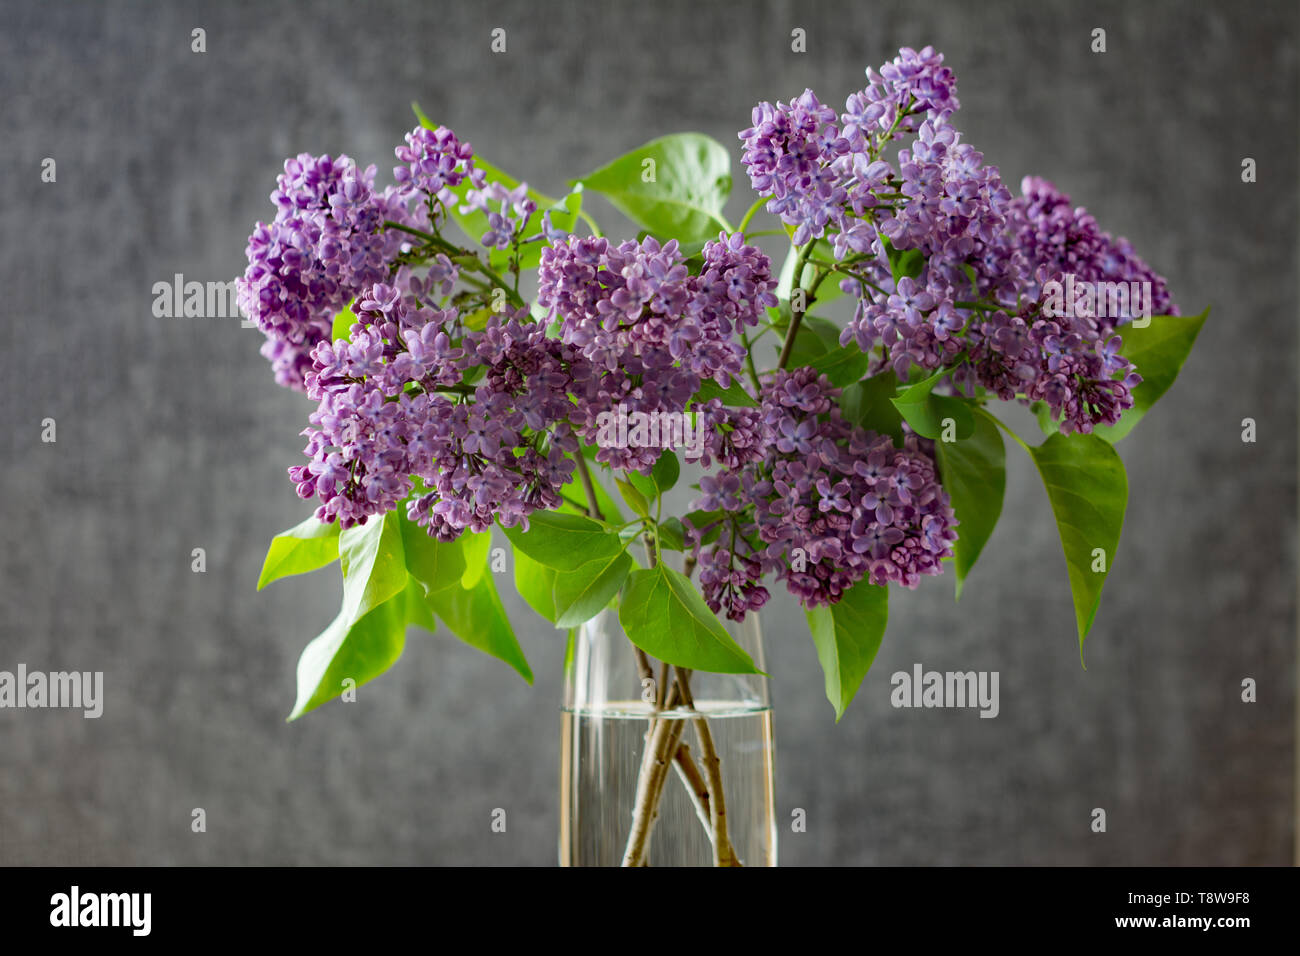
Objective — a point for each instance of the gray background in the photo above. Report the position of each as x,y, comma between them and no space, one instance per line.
172,435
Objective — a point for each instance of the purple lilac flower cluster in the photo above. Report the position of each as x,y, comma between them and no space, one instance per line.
1063,361
954,212
822,169
328,242
434,162
651,330
827,505
985,256
323,246
507,211
1059,239
393,409
640,298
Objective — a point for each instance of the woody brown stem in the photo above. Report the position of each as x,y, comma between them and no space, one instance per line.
695,785
662,738
723,852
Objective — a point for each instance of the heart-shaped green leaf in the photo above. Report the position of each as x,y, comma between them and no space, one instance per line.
663,614
931,415
435,564
562,541
733,395
1088,489
356,650
843,366
974,473
374,565
848,635
674,186
582,594
477,617
1158,352
868,404
303,548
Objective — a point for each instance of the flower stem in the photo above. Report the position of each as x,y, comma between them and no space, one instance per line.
723,852
477,265
998,422
749,362
585,477
796,318
591,223
695,785
758,204
662,737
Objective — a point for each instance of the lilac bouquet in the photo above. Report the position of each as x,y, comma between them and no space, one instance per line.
834,458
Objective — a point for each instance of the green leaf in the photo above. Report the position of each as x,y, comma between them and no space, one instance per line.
1158,351
663,475
666,471
868,405
927,412
974,473
1043,413
562,541
908,265
645,486
664,615
343,322
672,536
733,395
567,598
703,519
420,115
635,499
843,366
477,617
1088,488
434,564
352,649
904,262
475,545
847,636
304,547
374,565
536,585
691,182
582,594
418,611
816,339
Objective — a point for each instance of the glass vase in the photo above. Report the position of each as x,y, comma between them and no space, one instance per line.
661,767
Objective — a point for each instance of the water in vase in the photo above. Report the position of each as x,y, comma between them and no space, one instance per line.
602,753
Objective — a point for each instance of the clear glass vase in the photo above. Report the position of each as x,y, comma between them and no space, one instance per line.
656,764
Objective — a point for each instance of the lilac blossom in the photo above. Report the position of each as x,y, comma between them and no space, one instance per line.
827,505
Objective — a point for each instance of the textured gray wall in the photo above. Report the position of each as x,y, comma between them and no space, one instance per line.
172,436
